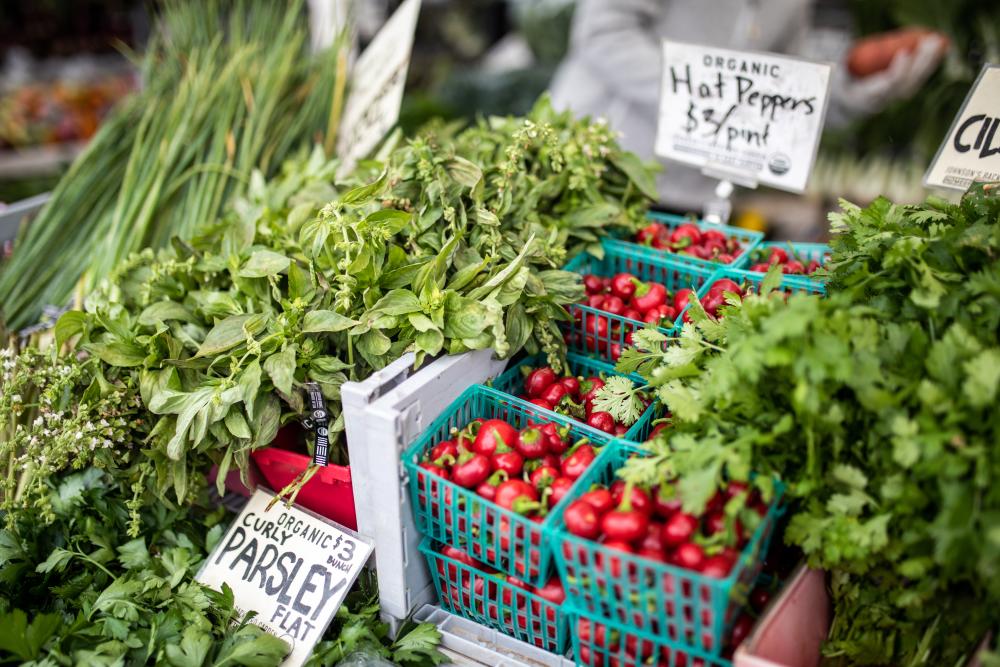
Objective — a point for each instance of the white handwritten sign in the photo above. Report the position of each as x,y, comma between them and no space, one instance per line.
377,83
292,567
743,116
971,151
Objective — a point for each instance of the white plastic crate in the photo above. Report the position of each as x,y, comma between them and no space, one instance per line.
468,643
383,415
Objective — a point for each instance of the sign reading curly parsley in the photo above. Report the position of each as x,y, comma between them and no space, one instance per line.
292,567
743,116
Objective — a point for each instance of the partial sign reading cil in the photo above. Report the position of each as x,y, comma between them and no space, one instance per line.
290,566
752,116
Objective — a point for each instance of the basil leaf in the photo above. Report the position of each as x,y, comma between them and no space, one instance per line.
398,302
118,353
164,311
281,368
68,325
317,321
264,263
225,335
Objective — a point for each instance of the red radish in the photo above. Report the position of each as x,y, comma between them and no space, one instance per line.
581,520
741,630
639,500
531,443
759,597
443,449
542,403
602,421
713,236
577,461
651,232
600,499
724,285
435,469
596,301
717,566
470,470
589,387
793,267
557,441
511,463
648,295
572,386
626,525
678,529
544,476
623,286
613,305
689,556
681,298
686,235
760,268
664,504
538,380
552,591
517,495
493,435
488,489
592,284
558,490
554,393
653,540
632,314
777,256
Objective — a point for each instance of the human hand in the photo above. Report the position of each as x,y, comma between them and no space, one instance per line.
891,66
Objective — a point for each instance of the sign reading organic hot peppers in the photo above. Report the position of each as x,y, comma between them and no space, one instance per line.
971,151
747,117
290,566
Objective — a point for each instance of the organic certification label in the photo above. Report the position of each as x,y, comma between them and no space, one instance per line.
971,151
292,567
376,91
744,116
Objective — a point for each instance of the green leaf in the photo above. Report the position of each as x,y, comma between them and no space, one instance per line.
463,171
281,369
619,397
249,385
398,302
464,317
374,344
264,263
69,324
164,311
237,424
193,649
133,554
642,175
225,335
982,378
118,353
430,341
317,321
23,639
365,193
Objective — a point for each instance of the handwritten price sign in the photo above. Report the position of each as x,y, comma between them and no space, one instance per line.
290,566
747,117
971,151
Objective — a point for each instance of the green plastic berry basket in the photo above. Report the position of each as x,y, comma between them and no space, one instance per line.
674,603
511,382
793,284
491,600
598,332
747,238
450,514
600,642
803,252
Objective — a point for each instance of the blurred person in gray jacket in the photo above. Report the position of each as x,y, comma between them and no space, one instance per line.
614,65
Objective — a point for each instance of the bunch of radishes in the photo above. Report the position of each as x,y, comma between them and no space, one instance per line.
527,471
715,298
789,265
689,239
650,523
571,396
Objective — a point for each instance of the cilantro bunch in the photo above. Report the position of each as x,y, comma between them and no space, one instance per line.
876,407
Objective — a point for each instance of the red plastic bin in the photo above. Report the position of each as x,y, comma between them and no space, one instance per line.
329,493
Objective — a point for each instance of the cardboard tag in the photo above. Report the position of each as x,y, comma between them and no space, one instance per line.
376,90
742,116
971,150
291,566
